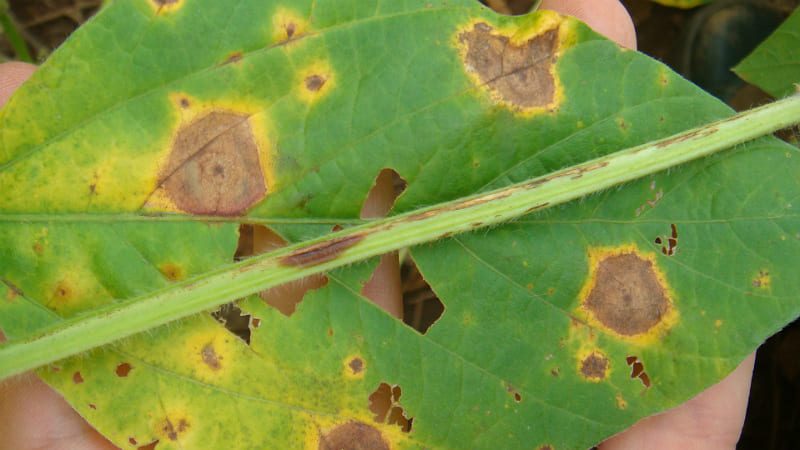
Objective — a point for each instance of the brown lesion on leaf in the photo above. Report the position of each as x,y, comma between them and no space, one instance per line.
172,272
322,252
164,6
173,429
355,367
150,446
315,82
123,370
288,26
627,294
77,378
517,66
514,393
352,435
210,357
214,167
762,280
594,366
12,290
384,403
233,57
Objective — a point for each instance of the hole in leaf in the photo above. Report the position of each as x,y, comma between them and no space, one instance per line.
123,370
258,239
421,306
637,370
383,194
510,7
150,446
231,316
384,402
669,244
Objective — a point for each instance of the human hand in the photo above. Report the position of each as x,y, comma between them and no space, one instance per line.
33,416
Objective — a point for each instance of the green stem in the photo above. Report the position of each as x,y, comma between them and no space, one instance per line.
235,281
14,38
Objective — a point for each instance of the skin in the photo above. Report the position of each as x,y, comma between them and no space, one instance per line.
33,417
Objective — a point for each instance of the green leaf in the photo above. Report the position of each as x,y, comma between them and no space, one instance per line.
105,195
684,4
775,65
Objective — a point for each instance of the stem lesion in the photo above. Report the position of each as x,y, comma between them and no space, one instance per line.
228,283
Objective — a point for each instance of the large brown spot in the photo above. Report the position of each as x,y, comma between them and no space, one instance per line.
214,167
594,366
519,74
353,436
627,296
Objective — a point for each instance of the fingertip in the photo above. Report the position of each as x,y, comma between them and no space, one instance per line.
12,75
607,17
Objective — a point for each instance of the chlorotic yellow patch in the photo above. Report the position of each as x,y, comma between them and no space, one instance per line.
315,81
762,280
621,402
165,6
354,367
211,353
288,25
626,295
541,37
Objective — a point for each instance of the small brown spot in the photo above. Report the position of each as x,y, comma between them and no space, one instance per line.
353,436
315,82
330,332
150,446
290,28
514,393
594,366
356,365
210,357
255,322
321,253
38,248
172,271
77,378
132,441
192,177
123,370
627,296
518,74
233,58
92,405
185,103
545,447
63,291
555,372
762,280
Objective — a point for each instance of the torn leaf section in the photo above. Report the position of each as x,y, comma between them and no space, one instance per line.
627,294
516,66
384,402
214,168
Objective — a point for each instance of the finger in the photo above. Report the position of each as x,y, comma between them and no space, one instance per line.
384,288
712,420
12,75
607,17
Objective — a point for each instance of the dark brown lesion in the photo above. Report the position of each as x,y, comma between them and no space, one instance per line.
353,435
520,74
315,83
321,253
594,366
214,167
627,295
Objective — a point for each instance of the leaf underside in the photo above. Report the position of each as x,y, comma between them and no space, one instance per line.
287,111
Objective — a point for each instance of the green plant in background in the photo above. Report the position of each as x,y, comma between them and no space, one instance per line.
177,121
14,38
685,4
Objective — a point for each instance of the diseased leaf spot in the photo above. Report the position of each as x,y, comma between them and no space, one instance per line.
77,378
762,280
38,248
210,357
132,441
185,103
63,291
514,393
353,436
233,58
356,366
173,431
546,447
255,322
519,74
594,366
627,296
322,252
214,167
172,271
290,29
123,370
621,402
384,402
93,406
315,82
669,244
